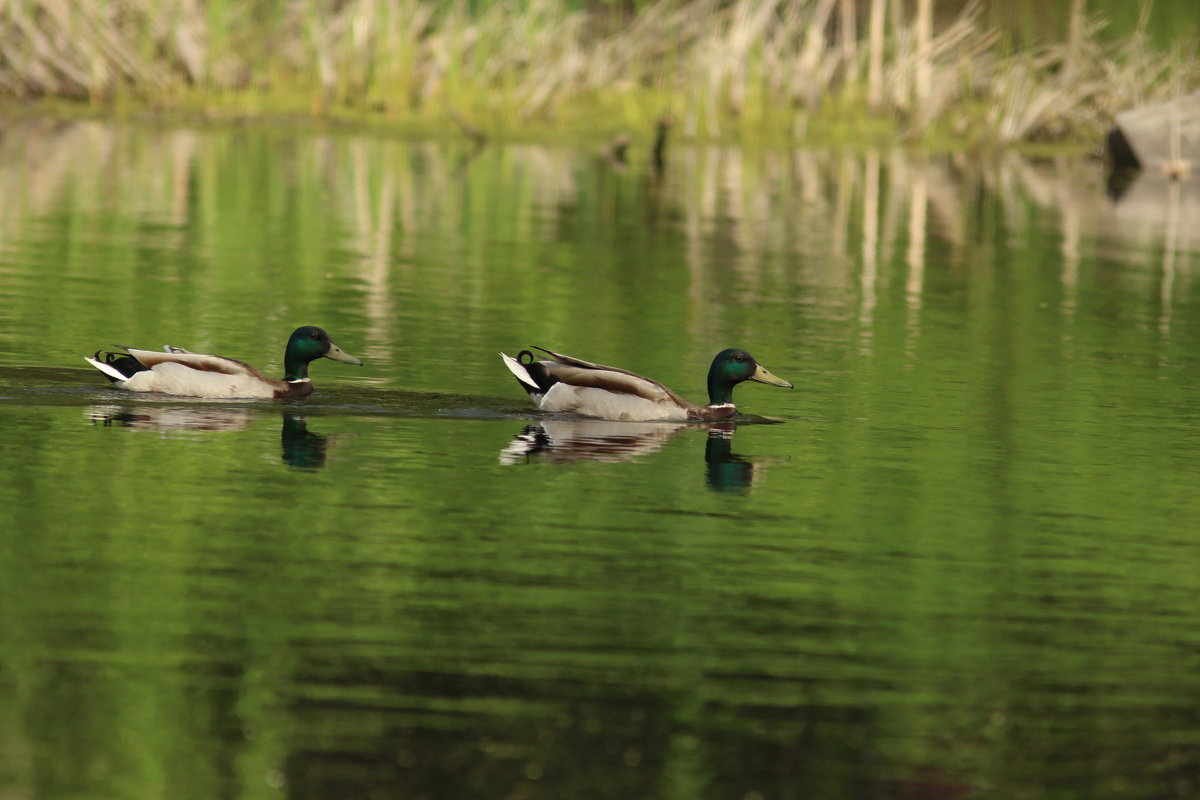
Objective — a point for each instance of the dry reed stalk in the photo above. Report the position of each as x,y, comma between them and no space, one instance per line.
849,30
875,67
923,71
812,69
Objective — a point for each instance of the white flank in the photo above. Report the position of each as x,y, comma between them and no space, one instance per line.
593,402
518,369
178,379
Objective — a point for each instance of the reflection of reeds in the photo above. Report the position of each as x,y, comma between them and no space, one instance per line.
758,202
752,228
716,65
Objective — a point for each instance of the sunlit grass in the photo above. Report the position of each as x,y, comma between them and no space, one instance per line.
747,69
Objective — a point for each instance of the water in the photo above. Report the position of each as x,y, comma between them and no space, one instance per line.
959,560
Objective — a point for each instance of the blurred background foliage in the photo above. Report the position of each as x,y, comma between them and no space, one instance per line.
966,73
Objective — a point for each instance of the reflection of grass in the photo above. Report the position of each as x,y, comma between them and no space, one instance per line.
747,68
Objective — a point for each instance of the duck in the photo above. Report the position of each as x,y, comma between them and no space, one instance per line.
563,384
182,373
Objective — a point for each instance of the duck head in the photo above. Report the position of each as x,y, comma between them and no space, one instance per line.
307,344
731,367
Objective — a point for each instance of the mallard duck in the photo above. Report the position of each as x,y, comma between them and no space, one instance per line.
176,371
570,385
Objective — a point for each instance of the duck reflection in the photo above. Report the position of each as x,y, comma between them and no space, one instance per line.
171,419
560,441
565,440
300,447
724,470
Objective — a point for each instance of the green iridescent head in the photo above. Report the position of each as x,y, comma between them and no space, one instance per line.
307,344
731,367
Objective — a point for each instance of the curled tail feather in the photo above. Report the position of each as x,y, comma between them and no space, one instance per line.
521,371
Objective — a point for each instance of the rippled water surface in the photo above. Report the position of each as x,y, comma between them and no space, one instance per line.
960,559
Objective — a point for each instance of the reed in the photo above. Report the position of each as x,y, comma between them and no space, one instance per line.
773,68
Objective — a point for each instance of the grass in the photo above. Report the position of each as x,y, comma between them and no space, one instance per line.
763,69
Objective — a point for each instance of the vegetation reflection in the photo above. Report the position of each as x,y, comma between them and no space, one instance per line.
359,214
970,568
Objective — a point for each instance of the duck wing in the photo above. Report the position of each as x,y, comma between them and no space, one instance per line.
197,361
577,372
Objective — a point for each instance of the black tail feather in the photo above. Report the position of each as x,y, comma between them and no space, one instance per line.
540,376
123,363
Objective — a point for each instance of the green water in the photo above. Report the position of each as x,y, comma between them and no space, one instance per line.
964,561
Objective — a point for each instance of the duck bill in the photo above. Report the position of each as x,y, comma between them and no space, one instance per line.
762,376
338,354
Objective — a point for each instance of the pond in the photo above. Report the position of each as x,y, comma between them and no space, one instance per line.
960,559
